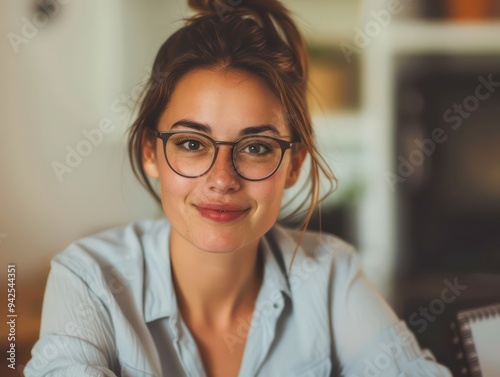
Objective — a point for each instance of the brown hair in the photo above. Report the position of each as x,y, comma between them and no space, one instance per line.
256,36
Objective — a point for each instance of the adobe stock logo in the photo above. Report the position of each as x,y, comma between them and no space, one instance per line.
83,148
122,106
372,29
454,115
419,320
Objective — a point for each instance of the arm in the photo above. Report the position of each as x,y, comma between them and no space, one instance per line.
76,336
370,339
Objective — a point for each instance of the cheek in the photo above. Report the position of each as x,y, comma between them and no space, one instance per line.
170,181
174,189
270,191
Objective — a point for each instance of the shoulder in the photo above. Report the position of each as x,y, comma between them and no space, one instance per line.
318,257
314,246
114,252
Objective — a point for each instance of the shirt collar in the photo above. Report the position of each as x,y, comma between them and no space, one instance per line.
159,293
275,275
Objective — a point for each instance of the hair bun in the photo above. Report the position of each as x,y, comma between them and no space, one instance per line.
272,15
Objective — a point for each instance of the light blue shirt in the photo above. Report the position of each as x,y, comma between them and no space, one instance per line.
110,310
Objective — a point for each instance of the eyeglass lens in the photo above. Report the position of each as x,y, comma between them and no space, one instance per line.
192,155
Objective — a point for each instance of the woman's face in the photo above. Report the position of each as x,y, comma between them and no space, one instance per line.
224,106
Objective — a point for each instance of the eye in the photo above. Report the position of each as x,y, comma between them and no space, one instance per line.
190,144
193,145
257,148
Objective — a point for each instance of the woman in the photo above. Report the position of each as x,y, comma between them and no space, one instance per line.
217,288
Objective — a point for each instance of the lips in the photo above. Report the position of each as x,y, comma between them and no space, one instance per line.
221,212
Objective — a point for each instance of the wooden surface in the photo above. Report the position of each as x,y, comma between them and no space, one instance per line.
29,298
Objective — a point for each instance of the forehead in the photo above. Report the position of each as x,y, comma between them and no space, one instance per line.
227,101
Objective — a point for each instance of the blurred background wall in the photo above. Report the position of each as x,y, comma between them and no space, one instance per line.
398,114
68,69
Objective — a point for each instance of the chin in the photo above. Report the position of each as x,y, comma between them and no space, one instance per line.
217,243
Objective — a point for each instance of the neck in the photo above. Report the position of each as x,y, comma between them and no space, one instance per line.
213,289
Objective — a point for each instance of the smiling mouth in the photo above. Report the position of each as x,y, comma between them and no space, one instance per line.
221,214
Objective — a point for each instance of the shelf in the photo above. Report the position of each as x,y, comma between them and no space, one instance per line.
337,128
444,37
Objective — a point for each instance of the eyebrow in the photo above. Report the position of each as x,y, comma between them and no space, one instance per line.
203,127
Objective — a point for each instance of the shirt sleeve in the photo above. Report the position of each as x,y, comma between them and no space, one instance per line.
369,337
76,336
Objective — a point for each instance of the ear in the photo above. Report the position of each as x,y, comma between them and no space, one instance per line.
298,156
149,160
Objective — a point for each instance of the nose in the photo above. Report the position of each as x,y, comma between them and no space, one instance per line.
222,177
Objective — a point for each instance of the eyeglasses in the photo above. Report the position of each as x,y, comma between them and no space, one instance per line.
192,154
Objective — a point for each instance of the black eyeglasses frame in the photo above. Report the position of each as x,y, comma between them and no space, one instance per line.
284,145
